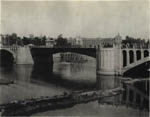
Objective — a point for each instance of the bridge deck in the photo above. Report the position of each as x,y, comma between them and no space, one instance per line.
37,51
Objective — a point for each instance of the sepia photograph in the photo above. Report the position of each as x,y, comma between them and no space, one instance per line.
75,58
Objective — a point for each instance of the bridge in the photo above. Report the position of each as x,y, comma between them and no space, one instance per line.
109,61
114,60
135,60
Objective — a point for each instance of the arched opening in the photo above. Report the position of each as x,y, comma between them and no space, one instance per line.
146,53
6,58
72,57
124,58
45,55
138,55
131,56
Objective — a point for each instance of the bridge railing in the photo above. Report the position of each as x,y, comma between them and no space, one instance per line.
58,47
123,46
137,46
12,48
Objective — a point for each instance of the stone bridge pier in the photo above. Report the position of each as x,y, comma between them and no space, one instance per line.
109,61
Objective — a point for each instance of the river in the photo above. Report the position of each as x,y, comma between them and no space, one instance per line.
31,82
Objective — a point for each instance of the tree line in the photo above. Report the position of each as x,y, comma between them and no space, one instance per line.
60,41
14,39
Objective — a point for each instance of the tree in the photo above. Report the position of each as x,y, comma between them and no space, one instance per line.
14,38
61,42
26,41
43,41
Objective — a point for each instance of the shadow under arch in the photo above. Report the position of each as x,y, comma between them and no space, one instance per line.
131,56
139,71
146,53
138,54
6,58
124,58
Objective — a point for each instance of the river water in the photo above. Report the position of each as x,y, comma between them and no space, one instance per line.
31,82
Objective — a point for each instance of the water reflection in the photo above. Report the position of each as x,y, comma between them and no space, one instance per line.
136,94
134,97
44,73
7,73
41,71
35,81
107,82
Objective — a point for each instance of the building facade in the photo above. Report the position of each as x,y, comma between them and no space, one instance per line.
76,42
50,42
101,42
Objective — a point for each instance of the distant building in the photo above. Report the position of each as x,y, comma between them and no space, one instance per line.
50,42
118,39
90,42
79,41
75,42
101,42
4,40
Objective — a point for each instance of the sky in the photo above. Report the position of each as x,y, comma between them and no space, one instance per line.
85,19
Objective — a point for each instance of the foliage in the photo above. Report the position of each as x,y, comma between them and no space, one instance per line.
62,42
13,39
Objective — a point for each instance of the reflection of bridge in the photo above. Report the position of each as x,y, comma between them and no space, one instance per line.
113,60
137,93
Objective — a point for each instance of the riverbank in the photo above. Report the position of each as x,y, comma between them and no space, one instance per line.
67,100
92,109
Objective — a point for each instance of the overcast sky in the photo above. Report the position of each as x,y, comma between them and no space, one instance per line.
85,19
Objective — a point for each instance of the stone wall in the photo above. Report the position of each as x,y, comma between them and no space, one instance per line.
24,56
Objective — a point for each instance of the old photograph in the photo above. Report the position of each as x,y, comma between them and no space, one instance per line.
75,58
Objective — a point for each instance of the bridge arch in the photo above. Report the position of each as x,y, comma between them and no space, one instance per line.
10,51
124,58
45,55
139,68
131,56
138,54
84,51
7,57
80,53
146,53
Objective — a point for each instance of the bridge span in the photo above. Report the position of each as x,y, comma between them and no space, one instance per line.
110,61
135,60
